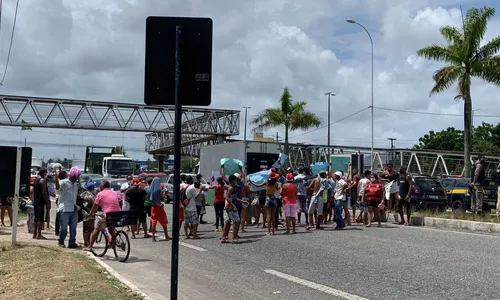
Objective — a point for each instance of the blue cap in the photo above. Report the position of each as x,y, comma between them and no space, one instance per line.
90,185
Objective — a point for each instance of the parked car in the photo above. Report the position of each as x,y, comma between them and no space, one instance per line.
170,185
143,177
428,193
87,176
459,198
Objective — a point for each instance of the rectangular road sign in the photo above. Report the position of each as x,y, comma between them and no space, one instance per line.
196,61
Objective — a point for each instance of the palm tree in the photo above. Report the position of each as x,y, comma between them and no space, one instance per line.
118,150
466,58
290,114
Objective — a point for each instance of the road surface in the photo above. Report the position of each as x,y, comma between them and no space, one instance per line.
392,262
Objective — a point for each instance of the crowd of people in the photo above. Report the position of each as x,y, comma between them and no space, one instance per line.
321,199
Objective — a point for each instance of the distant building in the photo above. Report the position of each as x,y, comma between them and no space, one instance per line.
258,136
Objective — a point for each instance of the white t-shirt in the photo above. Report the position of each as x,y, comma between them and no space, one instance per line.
125,204
191,193
339,190
362,185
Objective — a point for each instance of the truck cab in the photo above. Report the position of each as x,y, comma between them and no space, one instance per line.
117,165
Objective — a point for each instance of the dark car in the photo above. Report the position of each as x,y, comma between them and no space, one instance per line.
459,198
428,193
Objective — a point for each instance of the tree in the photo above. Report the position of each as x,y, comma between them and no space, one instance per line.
118,150
486,139
466,58
290,114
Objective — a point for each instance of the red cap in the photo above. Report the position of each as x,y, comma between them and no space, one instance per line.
135,180
272,175
278,176
162,185
273,170
289,177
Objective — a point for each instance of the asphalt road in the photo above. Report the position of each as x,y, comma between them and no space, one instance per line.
392,262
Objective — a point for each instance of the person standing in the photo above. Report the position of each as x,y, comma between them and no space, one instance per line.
219,200
301,194
405,191
340,199
190,212
354,192
478,177
41,195
137,196
158,214
67,206
363,207
6,207
60,175
289,192
88,197
374,197
319,186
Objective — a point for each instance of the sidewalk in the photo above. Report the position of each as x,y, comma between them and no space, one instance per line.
39,269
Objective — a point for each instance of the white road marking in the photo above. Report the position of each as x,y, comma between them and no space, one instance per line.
193,247
315,286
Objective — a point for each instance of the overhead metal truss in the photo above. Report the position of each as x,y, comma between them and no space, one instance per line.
199,126
433,163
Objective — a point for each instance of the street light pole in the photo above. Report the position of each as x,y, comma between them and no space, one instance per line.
371,107
329,94
245,135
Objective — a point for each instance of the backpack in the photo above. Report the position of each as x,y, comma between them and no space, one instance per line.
183,197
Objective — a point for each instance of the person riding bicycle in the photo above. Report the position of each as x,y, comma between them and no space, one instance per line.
108,200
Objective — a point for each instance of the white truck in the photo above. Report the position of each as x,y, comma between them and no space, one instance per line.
258,155
117,165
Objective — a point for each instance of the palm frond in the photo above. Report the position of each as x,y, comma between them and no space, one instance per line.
491,48
286,101
487,69
440,53
445,77
304,120
452,35
458,97
268,118
476,24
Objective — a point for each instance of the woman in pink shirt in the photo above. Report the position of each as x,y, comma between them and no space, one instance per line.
108,200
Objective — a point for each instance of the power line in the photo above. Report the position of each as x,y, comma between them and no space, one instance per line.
334,122
431,113
11,42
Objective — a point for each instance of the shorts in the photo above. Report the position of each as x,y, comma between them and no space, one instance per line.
190,217
262,201
363,206
374,203
141,213
39,211
4,202
354,201
271,201
231,216
404,203
181,213
290,210
316,205
158,215
100,222
302,203
147,210
244,199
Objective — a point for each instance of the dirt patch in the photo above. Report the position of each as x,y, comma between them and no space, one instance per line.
48,272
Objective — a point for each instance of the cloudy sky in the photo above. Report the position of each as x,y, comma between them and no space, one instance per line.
95,51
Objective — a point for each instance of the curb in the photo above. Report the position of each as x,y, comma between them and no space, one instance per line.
120,278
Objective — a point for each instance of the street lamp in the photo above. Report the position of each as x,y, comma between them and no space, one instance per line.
371,107
329,94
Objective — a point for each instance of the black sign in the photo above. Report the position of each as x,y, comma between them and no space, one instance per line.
8,171
196,61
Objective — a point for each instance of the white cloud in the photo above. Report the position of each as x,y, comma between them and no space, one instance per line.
91,50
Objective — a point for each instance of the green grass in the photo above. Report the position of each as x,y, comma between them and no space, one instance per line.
490,218
66,274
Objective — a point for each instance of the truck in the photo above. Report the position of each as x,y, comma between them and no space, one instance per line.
109,165
257,155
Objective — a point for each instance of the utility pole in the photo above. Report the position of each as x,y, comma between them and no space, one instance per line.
277,137
392,147
329,94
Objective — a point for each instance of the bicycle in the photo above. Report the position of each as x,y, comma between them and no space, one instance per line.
121,240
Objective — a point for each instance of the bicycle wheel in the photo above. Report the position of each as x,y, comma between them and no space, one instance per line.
100,246
122,246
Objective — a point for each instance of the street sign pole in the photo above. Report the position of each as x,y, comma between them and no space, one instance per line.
174,272
17,187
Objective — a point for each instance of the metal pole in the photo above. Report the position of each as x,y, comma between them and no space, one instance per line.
17,186
371,107
245,136
174,271
329,109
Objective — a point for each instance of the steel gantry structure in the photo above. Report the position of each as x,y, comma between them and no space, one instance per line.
200,126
